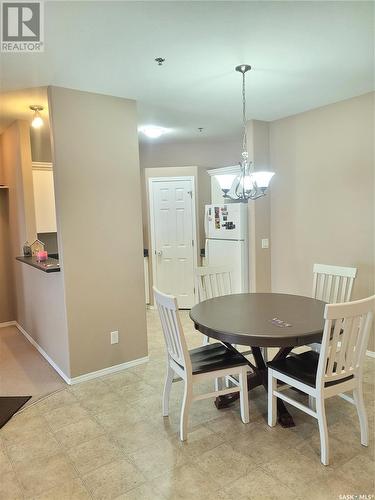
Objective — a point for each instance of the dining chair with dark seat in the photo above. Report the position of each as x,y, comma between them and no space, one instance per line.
208,362
333,371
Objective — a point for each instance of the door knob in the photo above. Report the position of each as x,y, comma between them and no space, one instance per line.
159,252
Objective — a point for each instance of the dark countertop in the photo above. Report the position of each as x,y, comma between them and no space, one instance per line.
48,266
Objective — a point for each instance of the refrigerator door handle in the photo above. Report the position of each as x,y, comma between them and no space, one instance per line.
206,222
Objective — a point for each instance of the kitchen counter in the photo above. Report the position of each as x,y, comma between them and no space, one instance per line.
48,266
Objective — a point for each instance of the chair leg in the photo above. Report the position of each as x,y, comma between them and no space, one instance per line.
167,390
323,431
218,383
244,396
272,399
362,415
312,403
186,403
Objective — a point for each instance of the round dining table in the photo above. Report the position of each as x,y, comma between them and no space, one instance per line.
260,320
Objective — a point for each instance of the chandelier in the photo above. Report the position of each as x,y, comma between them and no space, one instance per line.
248,185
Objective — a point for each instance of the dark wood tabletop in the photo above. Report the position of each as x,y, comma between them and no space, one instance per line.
249,319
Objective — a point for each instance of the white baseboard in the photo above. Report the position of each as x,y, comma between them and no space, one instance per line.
43,353
7,323
86,376
371,354
109,370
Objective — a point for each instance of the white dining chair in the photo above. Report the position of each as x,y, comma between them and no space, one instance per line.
329,373
332,284
209,362
212,282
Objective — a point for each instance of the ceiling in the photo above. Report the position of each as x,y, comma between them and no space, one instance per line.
304,55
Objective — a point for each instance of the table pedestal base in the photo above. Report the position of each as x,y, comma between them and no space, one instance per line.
255,379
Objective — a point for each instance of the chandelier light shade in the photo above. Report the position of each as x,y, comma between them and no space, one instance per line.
248,185
225,181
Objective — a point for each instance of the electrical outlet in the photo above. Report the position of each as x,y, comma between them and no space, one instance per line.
265,243
114,337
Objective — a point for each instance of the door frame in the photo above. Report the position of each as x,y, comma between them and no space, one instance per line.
151,181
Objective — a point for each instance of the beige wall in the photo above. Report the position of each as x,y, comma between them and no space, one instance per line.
37,297
322,199
204,152
98,202
7,289
259,210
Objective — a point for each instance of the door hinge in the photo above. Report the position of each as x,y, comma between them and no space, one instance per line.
190,193
192,243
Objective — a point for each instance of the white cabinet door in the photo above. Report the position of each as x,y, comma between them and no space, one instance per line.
173,239
44,198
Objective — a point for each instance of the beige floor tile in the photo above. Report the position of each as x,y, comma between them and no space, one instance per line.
360,471
35,447
120,416
136,436
65,415
44,474
111,431
56,400
91,455
21,428
199,441
143,492
255,486
119,380
23,370
110,481
102,403
225,461
5,465
130,394
78,432
331,486
159,458
71,490
185,483
289,464
9,486
83,390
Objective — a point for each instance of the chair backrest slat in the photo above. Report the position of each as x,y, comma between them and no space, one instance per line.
172,329
345,337
213,282
333,284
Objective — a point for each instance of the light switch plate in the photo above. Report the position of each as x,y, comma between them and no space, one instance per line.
265,243
114,337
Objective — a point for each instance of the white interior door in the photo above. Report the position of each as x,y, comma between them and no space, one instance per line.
173,238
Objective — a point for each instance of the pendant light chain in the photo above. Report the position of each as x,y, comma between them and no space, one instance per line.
248,184
244,140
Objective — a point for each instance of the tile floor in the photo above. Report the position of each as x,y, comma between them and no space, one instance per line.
23,371
106,439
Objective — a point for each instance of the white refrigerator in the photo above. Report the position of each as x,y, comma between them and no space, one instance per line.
226,228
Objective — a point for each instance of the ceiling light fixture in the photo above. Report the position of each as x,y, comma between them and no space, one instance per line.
248,185
37,119
153,131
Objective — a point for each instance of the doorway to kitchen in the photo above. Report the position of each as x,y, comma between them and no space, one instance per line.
173,236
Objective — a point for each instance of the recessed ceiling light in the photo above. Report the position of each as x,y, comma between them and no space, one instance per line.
153,131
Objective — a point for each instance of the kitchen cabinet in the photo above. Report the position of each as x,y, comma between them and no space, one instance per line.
44,198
